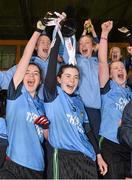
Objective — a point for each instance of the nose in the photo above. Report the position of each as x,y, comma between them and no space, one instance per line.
72,79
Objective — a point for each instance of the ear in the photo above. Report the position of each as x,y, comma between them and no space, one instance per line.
58,79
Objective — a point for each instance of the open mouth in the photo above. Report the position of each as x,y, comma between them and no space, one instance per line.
84,51
120,76
70,87
45,50
30,83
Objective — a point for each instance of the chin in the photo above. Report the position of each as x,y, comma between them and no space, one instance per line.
69,92
122,83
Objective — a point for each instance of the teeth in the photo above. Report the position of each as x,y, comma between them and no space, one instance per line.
30,82
70,87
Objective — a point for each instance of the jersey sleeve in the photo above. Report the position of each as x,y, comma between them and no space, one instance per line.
13,93
6,76
106,88
51,80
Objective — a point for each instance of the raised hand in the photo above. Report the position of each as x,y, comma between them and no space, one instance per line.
88,26
107,26
40,26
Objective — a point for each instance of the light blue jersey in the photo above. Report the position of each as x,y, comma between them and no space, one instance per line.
24,136
113,103
6,76
66,131
3,130
89,88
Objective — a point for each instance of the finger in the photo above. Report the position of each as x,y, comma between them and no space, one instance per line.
39,119
43,121
104,170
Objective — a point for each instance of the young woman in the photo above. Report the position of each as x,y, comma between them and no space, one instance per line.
25,153
88,89
70,136
115,95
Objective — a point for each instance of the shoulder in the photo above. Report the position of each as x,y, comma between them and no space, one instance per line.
13,93
106,88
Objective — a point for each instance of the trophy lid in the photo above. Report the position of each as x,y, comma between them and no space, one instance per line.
68,27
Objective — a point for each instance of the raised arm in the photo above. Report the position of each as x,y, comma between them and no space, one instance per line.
89,28
102,53
27,54
50,80
24,61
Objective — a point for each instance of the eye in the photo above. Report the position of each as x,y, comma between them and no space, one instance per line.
36,73
115,68
27,73
76,77
67,76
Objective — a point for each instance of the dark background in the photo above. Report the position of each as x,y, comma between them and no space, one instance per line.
18,17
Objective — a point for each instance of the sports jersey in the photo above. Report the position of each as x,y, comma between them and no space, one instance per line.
6,76
67,115
3,130
89,88
113,103
24,136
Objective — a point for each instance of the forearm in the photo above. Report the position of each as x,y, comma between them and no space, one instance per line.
93,141
24,61
50,80
103,48
102,53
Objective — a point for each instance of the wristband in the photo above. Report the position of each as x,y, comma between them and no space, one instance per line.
104,38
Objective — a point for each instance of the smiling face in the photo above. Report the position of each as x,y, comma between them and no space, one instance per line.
86,46
32,79
43,46
69,79
118,73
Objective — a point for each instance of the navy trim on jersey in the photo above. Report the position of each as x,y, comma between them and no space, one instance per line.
13,93
106,88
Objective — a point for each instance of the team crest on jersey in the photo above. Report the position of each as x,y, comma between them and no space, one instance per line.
121,104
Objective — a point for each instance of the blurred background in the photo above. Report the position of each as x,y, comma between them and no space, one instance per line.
18,19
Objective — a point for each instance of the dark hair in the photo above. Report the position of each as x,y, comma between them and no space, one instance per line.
40,70
35,51
88,36
46,35
65,66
